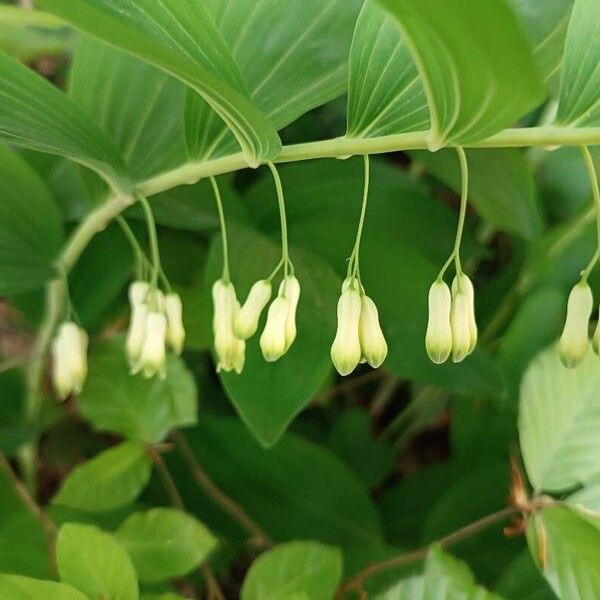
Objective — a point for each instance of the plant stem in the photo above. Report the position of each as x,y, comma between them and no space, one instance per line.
357,581
285,257
219,200
591,169
153,239
354,263
218,496
168,482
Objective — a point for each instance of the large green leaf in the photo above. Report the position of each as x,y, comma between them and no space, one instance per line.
296,568
110,480
16,587
559,420
269,395
579,103
164,543
303,65
477,69
523,581
570,545
137,408
95,563
385,93
294,490
30,226
179,37
34,114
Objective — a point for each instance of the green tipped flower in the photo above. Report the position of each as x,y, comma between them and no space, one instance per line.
246,320
346,350
273,340
136,333
462,283
175,329
230,350
290,288
438,339
69,359
372,342
153,359
574,339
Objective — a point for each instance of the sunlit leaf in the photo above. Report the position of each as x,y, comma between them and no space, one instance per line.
16,587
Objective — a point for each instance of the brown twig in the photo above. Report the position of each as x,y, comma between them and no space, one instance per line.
167,480
229,505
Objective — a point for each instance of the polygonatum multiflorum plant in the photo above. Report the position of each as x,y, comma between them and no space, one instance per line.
296,299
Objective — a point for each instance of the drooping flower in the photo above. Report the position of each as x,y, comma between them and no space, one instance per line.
230,350
438,339
273,338
153,359
246,320
459,322
463,284
138,292
136,333
372,341
69,354
290,288
574,339
346,350
175,329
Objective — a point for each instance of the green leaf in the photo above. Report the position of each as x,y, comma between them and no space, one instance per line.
110,480
558,422
570,544
295,477
30,227
137,408
501,186
269,395
16,587
164,543
95,563
29,34
407,589
34,114
304,65
477,69
523,581
579,103
180,38
385,93
296,568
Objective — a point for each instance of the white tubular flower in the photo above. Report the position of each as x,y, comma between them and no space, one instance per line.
246,320
273,338
136,334
459,323
438,339
138,292
345,350
175,329
463,283
372,342
153,357
69,352
290,288
230,350
574,339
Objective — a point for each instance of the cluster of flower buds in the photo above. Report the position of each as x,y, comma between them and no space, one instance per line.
574,340
452,328
234,324
156,322
69,359
359,337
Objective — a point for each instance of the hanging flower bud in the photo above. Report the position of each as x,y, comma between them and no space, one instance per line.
574,339
175,330
372,342
273,338
138,292
69,353
136,334
459,323
438,339
230,350
152,359
463,283
290,287
345,350
246,320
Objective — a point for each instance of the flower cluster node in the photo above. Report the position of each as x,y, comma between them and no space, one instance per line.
452,328
574,340
359,337
69,359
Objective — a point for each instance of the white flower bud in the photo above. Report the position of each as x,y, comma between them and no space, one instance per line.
246,320
574,339
175,330
463,283
136,333
230,350
69,351
290,288
345,350
459,322
273,338
138,292
153,357
372,342
438,339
